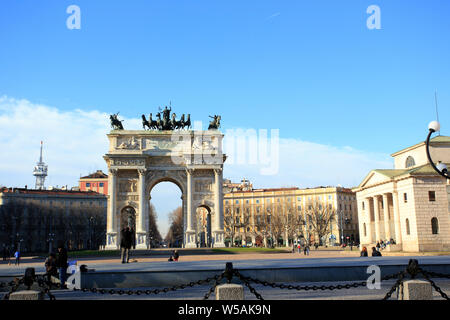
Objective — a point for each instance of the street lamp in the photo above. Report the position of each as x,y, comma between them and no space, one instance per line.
50,242
440,168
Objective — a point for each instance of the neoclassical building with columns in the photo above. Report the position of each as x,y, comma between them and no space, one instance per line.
410,203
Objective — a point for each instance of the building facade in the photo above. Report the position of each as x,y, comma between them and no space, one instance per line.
408,204
283,216
36,220
97,182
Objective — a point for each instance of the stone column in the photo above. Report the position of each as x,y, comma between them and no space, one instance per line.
398,230
369,222
111,223
189,240
387,227
141,228
218,209
377,218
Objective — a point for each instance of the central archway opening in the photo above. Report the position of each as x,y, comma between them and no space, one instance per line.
166,204
202,227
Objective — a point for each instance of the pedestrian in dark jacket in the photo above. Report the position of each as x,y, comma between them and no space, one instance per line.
61,264
375,252
125,244
175,255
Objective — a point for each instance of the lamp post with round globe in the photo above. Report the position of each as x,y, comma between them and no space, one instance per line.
440,167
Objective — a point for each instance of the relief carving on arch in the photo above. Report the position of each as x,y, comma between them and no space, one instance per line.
128,185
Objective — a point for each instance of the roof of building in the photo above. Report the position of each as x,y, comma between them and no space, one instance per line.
96,175
425,169
49,192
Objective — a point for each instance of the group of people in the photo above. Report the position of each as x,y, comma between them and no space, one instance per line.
7,253
375,252
299,248
175,255
56,264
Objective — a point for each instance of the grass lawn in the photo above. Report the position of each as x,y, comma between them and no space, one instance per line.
250,250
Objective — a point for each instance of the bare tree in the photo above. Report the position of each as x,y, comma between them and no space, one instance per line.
320,217
175,235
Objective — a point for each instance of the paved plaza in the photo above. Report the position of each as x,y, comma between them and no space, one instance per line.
248,261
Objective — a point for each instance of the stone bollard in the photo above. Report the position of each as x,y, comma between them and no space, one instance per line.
27,295
415,290
230,291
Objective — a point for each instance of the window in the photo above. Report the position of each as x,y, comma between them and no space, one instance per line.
408,231
364,229
434,226
299,198
405,197
299,208
431,195
101,184
330,197
226,201
237,210
409,162
319,198
363,205
246,201
257,200
237,201
88,184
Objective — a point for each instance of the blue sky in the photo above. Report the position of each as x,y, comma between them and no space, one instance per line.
311,69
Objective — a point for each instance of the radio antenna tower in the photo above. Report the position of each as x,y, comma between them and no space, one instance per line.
40,172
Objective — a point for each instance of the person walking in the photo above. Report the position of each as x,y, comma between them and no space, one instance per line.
17,256
176,255
306,250
61,264
299,247
364,252
125,244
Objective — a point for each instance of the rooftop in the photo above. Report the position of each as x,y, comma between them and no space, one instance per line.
48,192
96,175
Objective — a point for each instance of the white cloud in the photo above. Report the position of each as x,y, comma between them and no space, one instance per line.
74,142
306,164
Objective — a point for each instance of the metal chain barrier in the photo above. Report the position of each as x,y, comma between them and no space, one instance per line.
412,271
217,279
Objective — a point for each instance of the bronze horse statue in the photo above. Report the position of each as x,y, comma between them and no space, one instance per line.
214,124
116,124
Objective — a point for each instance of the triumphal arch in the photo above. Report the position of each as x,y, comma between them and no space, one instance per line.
165,150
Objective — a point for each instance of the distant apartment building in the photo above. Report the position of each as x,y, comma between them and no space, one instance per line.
36,220
97,181
284,216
